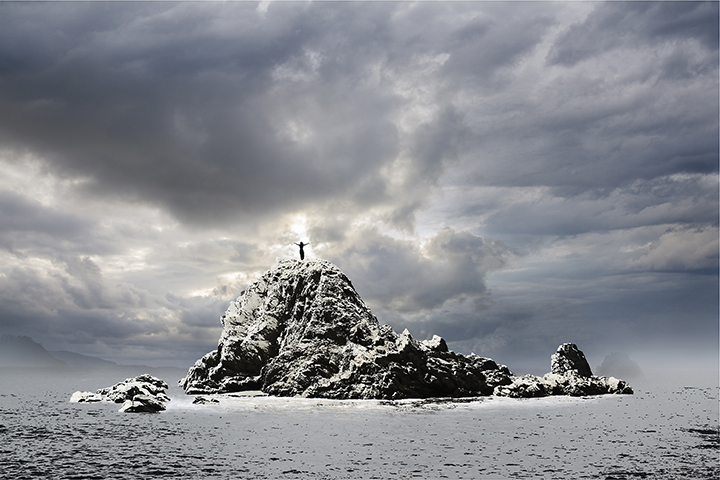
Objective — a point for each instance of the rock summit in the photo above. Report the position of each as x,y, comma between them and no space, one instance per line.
303,330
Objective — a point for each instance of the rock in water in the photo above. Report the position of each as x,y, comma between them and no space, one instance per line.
129,388
570,374
143,393
302,330
142,404
86,397
203,400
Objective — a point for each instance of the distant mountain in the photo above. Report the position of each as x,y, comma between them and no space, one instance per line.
76,360
22,351
619,364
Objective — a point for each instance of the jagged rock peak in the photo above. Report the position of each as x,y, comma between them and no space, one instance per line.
302,329
569,360
293,298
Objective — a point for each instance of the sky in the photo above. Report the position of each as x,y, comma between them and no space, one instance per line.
507,175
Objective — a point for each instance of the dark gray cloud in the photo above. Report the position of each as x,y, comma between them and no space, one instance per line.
614,25
688,200
598,311
508,175
642,105
401,276
179,108
198,108
578,138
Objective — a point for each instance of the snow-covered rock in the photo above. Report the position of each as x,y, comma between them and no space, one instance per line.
569,360
302,330
142,404
88,397
570,375
526,386
143,393
130,387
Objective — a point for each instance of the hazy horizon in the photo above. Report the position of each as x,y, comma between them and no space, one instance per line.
510,176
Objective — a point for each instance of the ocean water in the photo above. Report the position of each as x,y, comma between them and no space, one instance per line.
662,432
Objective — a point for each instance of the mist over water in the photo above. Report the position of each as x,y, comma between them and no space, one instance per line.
664,431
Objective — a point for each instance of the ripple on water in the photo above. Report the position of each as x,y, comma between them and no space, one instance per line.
663,435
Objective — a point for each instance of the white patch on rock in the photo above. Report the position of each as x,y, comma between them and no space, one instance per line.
143,393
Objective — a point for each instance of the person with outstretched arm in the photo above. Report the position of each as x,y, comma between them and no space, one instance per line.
302,252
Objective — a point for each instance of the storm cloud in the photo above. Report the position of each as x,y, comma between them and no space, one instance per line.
508,175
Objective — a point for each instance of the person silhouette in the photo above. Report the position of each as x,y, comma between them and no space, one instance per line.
302,252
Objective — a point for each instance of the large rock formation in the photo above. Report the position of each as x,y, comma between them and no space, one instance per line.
302,330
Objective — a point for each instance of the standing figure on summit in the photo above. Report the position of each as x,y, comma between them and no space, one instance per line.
302,252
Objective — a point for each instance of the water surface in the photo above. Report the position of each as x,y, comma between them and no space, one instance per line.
661,432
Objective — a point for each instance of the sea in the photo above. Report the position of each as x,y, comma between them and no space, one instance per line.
666,430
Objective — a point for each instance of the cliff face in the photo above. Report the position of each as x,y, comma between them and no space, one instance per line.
302,329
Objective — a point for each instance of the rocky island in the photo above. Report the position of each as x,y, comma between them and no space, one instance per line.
303,330
142,394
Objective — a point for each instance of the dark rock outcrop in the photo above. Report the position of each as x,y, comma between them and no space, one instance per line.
203,400
569,361
302,330
570,374
143,393
86,397
142,404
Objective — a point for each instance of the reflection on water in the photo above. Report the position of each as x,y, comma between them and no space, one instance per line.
657,433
